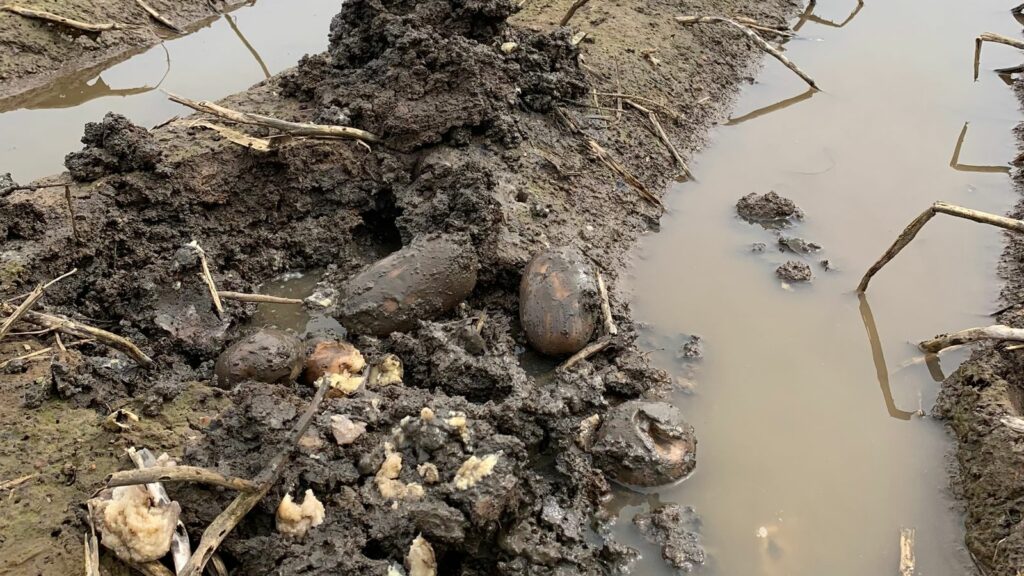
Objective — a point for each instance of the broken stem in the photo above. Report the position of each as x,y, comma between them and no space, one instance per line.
178,474
606,159
92,548
293,128
995,39
244,297
29,302
760,42
57,19
222,525
663,137
69,326
907,561
587,351
576,5
208,278
158,17
915,226
606,308
995,332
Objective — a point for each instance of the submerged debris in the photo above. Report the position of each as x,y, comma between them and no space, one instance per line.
645,444
559,301
132,526
798,245
269,355
769,210
794,271
297,519
675,528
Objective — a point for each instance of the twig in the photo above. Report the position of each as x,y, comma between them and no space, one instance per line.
244,502
178,474
907,561
915,226
995,332
760,42
71,213
265,298
293,128
995,39
29,302
606,308
12,484
159,17
663,136
658,105
606,159
181,549
92,548
751,23
42,351
31,187
69,326
576,5
250,142
208,278
587,351
94,28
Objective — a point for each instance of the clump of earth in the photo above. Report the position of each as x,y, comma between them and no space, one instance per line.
769,210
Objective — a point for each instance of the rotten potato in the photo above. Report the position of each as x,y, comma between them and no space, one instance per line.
645,444
421,281
559,301
332,357
269,355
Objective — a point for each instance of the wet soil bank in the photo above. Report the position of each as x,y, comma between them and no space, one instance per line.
983,401
34,52
488,128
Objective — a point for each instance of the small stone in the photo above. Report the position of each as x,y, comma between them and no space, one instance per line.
345,430
509,47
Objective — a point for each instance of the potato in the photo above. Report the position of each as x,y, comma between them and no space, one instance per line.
559,302
422,281
269,355
645,444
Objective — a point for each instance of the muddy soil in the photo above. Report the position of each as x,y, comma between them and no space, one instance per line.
983,401
483,142
34,52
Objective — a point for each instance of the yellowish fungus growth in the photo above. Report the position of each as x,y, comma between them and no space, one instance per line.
133,527
420,560
296,519
474,470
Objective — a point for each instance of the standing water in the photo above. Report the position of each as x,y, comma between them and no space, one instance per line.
813,451
229,54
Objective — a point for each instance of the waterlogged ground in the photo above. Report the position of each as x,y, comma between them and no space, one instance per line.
228,55
813,453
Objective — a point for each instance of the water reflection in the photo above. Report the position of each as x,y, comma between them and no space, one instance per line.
248,46
878,356
808,16
955,164
775,107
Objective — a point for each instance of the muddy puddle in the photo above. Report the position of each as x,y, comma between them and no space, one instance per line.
227,55
808,404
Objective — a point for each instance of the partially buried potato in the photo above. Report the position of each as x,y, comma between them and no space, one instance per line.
269,355
645,444
559,302
421,281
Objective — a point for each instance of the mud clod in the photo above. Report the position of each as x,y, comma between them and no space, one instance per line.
675,528
797,245
269,355
113,146
794,271
769,210
645,444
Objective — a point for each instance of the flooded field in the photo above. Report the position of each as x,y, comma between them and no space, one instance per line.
227,55
811,404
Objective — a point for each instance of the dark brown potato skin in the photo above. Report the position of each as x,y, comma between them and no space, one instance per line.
269,355
423,280
559,304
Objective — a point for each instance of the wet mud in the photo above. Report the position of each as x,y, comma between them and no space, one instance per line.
448,444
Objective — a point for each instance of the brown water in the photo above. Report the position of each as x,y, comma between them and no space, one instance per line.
229,54
805,403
